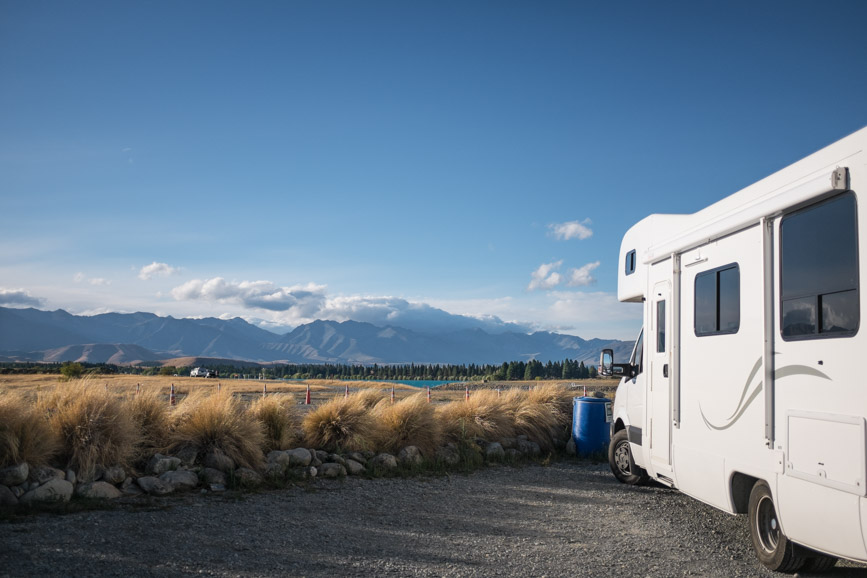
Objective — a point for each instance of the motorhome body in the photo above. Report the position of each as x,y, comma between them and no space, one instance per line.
743,389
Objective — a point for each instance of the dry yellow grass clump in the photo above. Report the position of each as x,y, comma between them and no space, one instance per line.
343,424
217,420
409,422
94,427
484,415
25,436
149,411
279,421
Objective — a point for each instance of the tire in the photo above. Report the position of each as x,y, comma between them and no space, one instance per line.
773,549
620,459
817,562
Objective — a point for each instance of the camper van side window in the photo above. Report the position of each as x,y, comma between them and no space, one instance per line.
660,326
819,271
630,262
718,301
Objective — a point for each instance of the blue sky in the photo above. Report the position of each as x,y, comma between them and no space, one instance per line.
391,161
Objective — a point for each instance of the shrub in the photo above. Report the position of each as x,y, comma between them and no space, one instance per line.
343,424
411,421
484,415
25,435
71,370
95,429
543,414
205,421
279,421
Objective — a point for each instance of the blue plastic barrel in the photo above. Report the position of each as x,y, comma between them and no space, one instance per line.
591,425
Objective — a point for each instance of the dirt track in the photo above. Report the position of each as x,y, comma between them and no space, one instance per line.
568,519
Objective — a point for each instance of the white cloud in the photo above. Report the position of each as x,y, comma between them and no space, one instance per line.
545,277
97,281
18,298
156,270
571,230
581,277
253,294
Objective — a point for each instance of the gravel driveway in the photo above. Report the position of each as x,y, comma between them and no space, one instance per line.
567,519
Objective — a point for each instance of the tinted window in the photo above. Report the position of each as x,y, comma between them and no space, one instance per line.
819,270
637,358
718,301
660,326
630,262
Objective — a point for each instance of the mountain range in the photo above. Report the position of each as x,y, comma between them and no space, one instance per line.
131,338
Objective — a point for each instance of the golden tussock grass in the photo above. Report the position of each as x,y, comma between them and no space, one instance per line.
95,428
25,436
149,411
484,415
343,424
279,421
409,422
207,420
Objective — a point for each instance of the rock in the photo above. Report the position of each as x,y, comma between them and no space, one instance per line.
7,498
91,475
332,470
18,491
180,479
275,471
570,447
70,476
448,455
368,454
299,457
410,456
114,475
494,452
217,487
310,472
218,460
32,485
509,443
14,475
354,468
160,464
130,488
336,459
279,457
188,455
523,437
154,486
45,474
529,448
248,478
322,456
358,457
52,491
210,476
98,491
513,455
384,462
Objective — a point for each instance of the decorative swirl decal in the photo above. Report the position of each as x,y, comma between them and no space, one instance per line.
745,401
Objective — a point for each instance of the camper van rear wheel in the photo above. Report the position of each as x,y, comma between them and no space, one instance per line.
774,550
620,459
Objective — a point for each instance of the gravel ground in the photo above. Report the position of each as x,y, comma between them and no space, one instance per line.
567,519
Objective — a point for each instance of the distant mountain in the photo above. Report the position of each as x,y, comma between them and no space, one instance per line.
31,334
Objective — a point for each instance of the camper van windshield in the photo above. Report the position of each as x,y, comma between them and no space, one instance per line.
637,353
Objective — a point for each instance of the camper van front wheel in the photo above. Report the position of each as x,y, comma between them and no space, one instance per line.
774,550
620,459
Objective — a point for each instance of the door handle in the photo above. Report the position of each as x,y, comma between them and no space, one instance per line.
665,370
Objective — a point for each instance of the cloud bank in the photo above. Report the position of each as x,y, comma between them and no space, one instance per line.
545,277
18,298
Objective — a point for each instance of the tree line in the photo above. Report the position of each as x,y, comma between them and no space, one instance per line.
507,371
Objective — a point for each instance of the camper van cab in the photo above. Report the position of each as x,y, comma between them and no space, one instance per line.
743,389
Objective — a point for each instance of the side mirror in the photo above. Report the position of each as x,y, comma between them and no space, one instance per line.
606,362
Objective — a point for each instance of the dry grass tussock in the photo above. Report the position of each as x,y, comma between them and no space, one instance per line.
149,411
94,427
217,420
409,422
484,415
343,424
279,420
25,436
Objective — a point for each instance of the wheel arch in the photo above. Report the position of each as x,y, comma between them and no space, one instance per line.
740,487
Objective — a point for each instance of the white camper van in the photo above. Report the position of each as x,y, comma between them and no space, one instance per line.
744,389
